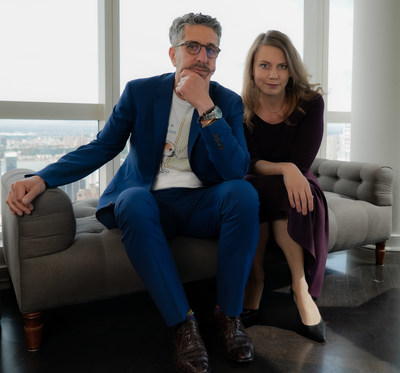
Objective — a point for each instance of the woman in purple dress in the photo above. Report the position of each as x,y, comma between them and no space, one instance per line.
283,118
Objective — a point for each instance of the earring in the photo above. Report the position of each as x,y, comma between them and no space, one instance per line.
291,83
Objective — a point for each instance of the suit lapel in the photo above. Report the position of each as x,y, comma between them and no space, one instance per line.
195,127
194,131
161,108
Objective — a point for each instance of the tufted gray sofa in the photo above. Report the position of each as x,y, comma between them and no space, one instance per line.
359,197
61,255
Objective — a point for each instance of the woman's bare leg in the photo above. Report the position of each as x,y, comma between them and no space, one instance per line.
294,254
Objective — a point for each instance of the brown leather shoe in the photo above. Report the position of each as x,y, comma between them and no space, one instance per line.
190,355
237,343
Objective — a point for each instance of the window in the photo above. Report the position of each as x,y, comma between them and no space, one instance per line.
49,60
340,55
49,51
339,79
338,141
33,144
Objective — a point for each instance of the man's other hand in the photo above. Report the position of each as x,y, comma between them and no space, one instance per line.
23,192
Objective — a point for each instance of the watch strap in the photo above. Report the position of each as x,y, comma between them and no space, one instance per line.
203,116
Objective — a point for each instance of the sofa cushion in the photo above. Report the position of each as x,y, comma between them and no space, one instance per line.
354,223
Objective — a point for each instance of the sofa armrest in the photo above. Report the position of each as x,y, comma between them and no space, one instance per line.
357,180
48,229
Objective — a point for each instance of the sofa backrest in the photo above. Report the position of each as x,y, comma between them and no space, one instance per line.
357,180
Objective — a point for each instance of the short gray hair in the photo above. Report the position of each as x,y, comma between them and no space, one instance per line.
176,31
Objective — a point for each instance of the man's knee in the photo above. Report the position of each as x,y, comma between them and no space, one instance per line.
244,193
135,204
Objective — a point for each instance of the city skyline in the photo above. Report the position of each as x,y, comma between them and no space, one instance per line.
35,144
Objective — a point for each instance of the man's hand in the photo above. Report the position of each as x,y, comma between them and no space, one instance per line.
22,193
194,88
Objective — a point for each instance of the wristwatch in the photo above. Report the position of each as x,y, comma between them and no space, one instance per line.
210,116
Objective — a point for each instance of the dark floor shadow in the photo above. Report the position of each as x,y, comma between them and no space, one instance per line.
373,326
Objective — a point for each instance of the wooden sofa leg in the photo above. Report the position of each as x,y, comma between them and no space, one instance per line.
33,330
380,249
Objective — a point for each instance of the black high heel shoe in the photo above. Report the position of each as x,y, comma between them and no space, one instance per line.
249,317
315,332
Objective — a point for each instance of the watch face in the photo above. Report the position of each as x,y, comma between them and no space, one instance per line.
215,114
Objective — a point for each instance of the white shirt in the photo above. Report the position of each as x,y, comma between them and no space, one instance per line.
175,169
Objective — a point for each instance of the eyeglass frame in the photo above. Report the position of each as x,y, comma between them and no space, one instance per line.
187,42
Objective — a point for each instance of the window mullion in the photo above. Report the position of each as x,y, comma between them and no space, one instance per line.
316,46
108,72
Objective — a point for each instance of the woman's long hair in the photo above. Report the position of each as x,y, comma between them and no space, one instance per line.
298,87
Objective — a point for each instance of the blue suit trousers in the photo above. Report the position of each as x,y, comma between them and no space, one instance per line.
148,219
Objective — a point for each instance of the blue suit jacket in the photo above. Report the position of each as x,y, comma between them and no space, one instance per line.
216,153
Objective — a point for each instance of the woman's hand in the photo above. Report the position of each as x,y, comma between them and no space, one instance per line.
298,189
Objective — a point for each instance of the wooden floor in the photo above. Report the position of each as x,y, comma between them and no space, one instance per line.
360,305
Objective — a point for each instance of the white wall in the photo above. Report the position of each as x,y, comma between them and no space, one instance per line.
375,124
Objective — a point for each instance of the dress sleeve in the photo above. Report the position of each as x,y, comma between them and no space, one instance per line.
310,135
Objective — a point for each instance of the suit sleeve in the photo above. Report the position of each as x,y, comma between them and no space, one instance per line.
109,142
225,141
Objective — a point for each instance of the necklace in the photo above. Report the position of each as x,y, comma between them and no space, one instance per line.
276,111
273,111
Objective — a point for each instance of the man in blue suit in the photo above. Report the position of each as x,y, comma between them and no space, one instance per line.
183,176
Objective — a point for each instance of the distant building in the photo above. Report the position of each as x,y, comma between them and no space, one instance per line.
80,190
11,160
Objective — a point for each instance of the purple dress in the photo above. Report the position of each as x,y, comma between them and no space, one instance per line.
297,143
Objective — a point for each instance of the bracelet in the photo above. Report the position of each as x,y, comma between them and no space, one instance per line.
208,122
202,116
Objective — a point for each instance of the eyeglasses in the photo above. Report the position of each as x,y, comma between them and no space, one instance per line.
193,47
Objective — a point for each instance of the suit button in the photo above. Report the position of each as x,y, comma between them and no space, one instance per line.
216,138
